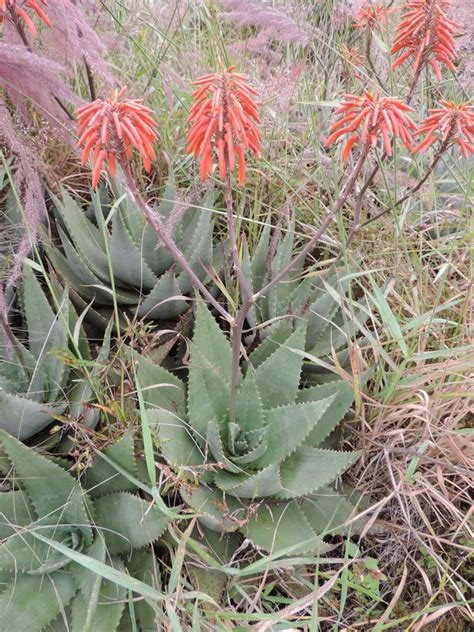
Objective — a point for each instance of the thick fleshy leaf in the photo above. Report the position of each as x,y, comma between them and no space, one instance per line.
176,440
278,376
15,512
128,522
161,389
85,235
47,333
247,485
216,448
288,427
157,304
54,494
327,511
249,410
143,566
308,469
283,526
216,511
211,342
343,396
103,478
338,332
107,608
322,312
208,394
31,602
84,280
260,259
22,418
127,262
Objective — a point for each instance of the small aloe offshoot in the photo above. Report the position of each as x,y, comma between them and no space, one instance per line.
33,377
122,260
264,474
304,293
49,521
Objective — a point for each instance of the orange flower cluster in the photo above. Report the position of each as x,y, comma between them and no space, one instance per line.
426,34
371,16
109,128
12,6
450,123
223,118
370,117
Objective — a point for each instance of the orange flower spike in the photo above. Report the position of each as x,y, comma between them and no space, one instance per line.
109,128
426,34
223,118
14,9
451,123
369,118
371,16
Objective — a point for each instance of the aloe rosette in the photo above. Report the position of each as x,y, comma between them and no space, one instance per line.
264,474
67,554
115,257
34,378
304,293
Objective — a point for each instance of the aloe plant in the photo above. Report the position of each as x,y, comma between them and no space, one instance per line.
116,255
302,293
266,475
33,376
67,554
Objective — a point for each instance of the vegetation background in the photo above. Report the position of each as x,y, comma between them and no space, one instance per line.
412,569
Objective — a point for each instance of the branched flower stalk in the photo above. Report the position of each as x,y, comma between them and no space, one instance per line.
425,34
448,125
369,17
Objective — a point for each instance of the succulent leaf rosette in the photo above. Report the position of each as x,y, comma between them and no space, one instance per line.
304,293
264,474
124,258
49,524
34,379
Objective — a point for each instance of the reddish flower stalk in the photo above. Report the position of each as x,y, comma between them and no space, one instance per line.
371,16
223,118
450,124
426,34
16,10
369,118
110,128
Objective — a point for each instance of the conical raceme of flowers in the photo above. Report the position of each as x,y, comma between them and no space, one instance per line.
371,15
110,128
426,34
223,118
18,7
369,118
450,123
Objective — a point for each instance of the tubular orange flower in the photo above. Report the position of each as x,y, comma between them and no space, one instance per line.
426,34
16,9
371,15
451,123
110,128
370,117
223,118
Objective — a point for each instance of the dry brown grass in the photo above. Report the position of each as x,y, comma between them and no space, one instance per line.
418,463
